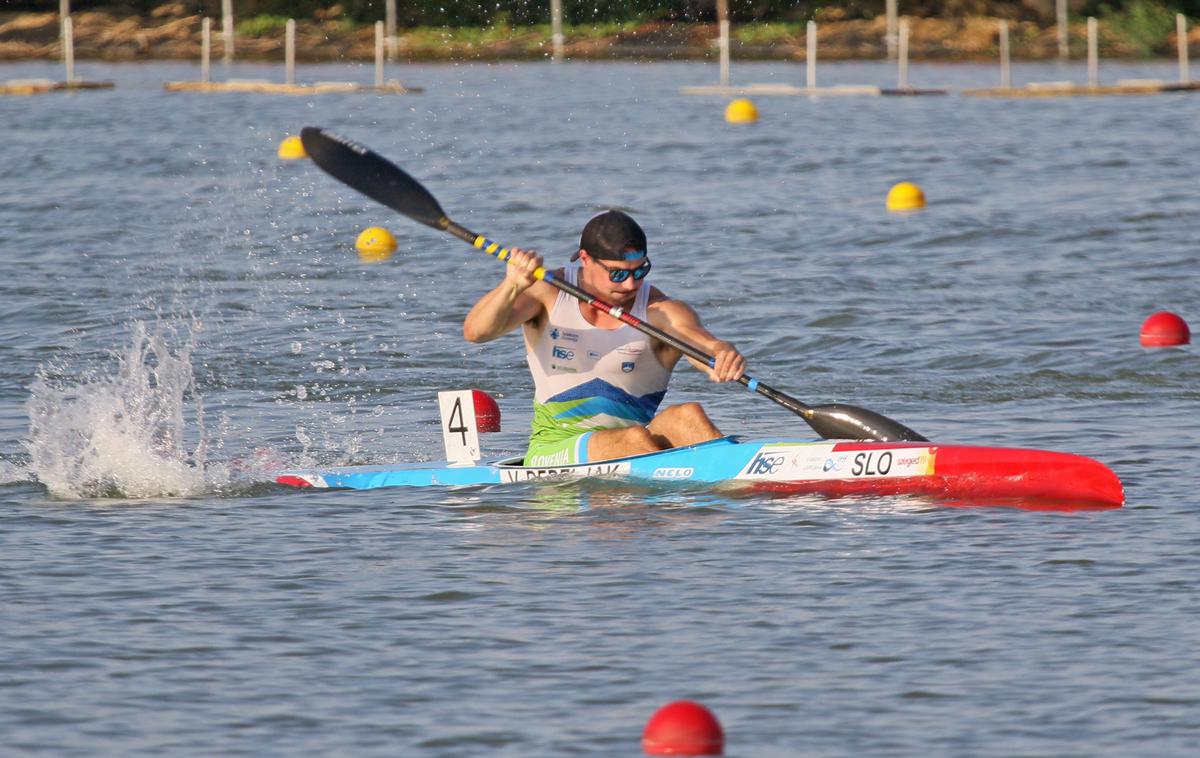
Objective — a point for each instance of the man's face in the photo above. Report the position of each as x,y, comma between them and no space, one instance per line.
599,275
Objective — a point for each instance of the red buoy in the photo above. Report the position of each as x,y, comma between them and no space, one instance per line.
487,412
1164,329
683,727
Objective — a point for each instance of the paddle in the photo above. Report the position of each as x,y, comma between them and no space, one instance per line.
379,179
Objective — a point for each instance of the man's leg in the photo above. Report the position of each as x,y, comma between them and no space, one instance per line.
682,425
677,426
607,444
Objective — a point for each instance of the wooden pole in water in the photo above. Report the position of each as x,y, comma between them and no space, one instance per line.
64,12
69,48
379,34
227,29
810,56
1060,14
1093,57
556,32
1005,63
289,51
902,81
1181,42
393,43
64,18
206,50
892,28
723,39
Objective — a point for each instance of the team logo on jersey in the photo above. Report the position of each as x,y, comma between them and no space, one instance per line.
627,366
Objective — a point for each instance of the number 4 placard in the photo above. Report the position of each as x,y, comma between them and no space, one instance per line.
460,434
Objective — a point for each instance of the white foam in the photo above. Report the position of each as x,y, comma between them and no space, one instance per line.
13,472
136,432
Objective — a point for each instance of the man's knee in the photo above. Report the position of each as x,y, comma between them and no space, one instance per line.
688,412
615,443
646,437
684,424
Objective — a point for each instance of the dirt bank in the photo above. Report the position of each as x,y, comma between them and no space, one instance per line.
172,33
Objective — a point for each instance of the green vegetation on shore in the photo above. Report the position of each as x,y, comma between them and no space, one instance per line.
1144,24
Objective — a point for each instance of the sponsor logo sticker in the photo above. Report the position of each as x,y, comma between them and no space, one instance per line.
678,472
562,354
794,462
811,461
764,464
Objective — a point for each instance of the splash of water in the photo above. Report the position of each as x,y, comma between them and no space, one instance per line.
13,472
126,433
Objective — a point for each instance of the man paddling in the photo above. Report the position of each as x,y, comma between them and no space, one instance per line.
599,382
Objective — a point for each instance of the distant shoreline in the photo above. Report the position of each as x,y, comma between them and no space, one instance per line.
171,34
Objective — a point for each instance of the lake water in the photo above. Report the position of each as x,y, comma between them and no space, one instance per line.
182,313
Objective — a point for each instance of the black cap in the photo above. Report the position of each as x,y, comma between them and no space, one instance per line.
609,235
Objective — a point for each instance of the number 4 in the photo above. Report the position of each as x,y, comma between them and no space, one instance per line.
460,432
456,417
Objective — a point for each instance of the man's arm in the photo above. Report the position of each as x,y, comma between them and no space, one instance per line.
679,319
510,304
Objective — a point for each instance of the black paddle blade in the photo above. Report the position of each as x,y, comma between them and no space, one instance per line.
373,175
839,421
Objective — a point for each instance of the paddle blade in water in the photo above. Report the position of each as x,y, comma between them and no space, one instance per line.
373,175
839,421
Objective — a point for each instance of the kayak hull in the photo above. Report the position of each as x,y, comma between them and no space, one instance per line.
954,472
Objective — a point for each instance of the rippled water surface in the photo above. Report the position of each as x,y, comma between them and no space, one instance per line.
181,314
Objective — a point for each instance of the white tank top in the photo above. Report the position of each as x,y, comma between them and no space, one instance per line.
589,378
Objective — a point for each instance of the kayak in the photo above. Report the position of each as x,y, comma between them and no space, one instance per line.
833,468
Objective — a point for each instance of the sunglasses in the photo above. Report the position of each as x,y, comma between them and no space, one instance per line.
618,275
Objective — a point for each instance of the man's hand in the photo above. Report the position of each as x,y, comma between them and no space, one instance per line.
729,364
506,307
521,265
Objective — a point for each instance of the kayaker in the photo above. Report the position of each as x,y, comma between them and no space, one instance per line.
598,382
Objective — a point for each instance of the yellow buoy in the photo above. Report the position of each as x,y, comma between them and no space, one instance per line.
292,148
905,196
375,244
741,111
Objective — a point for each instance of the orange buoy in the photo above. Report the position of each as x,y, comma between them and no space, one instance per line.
487,411
683,727
1164,329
